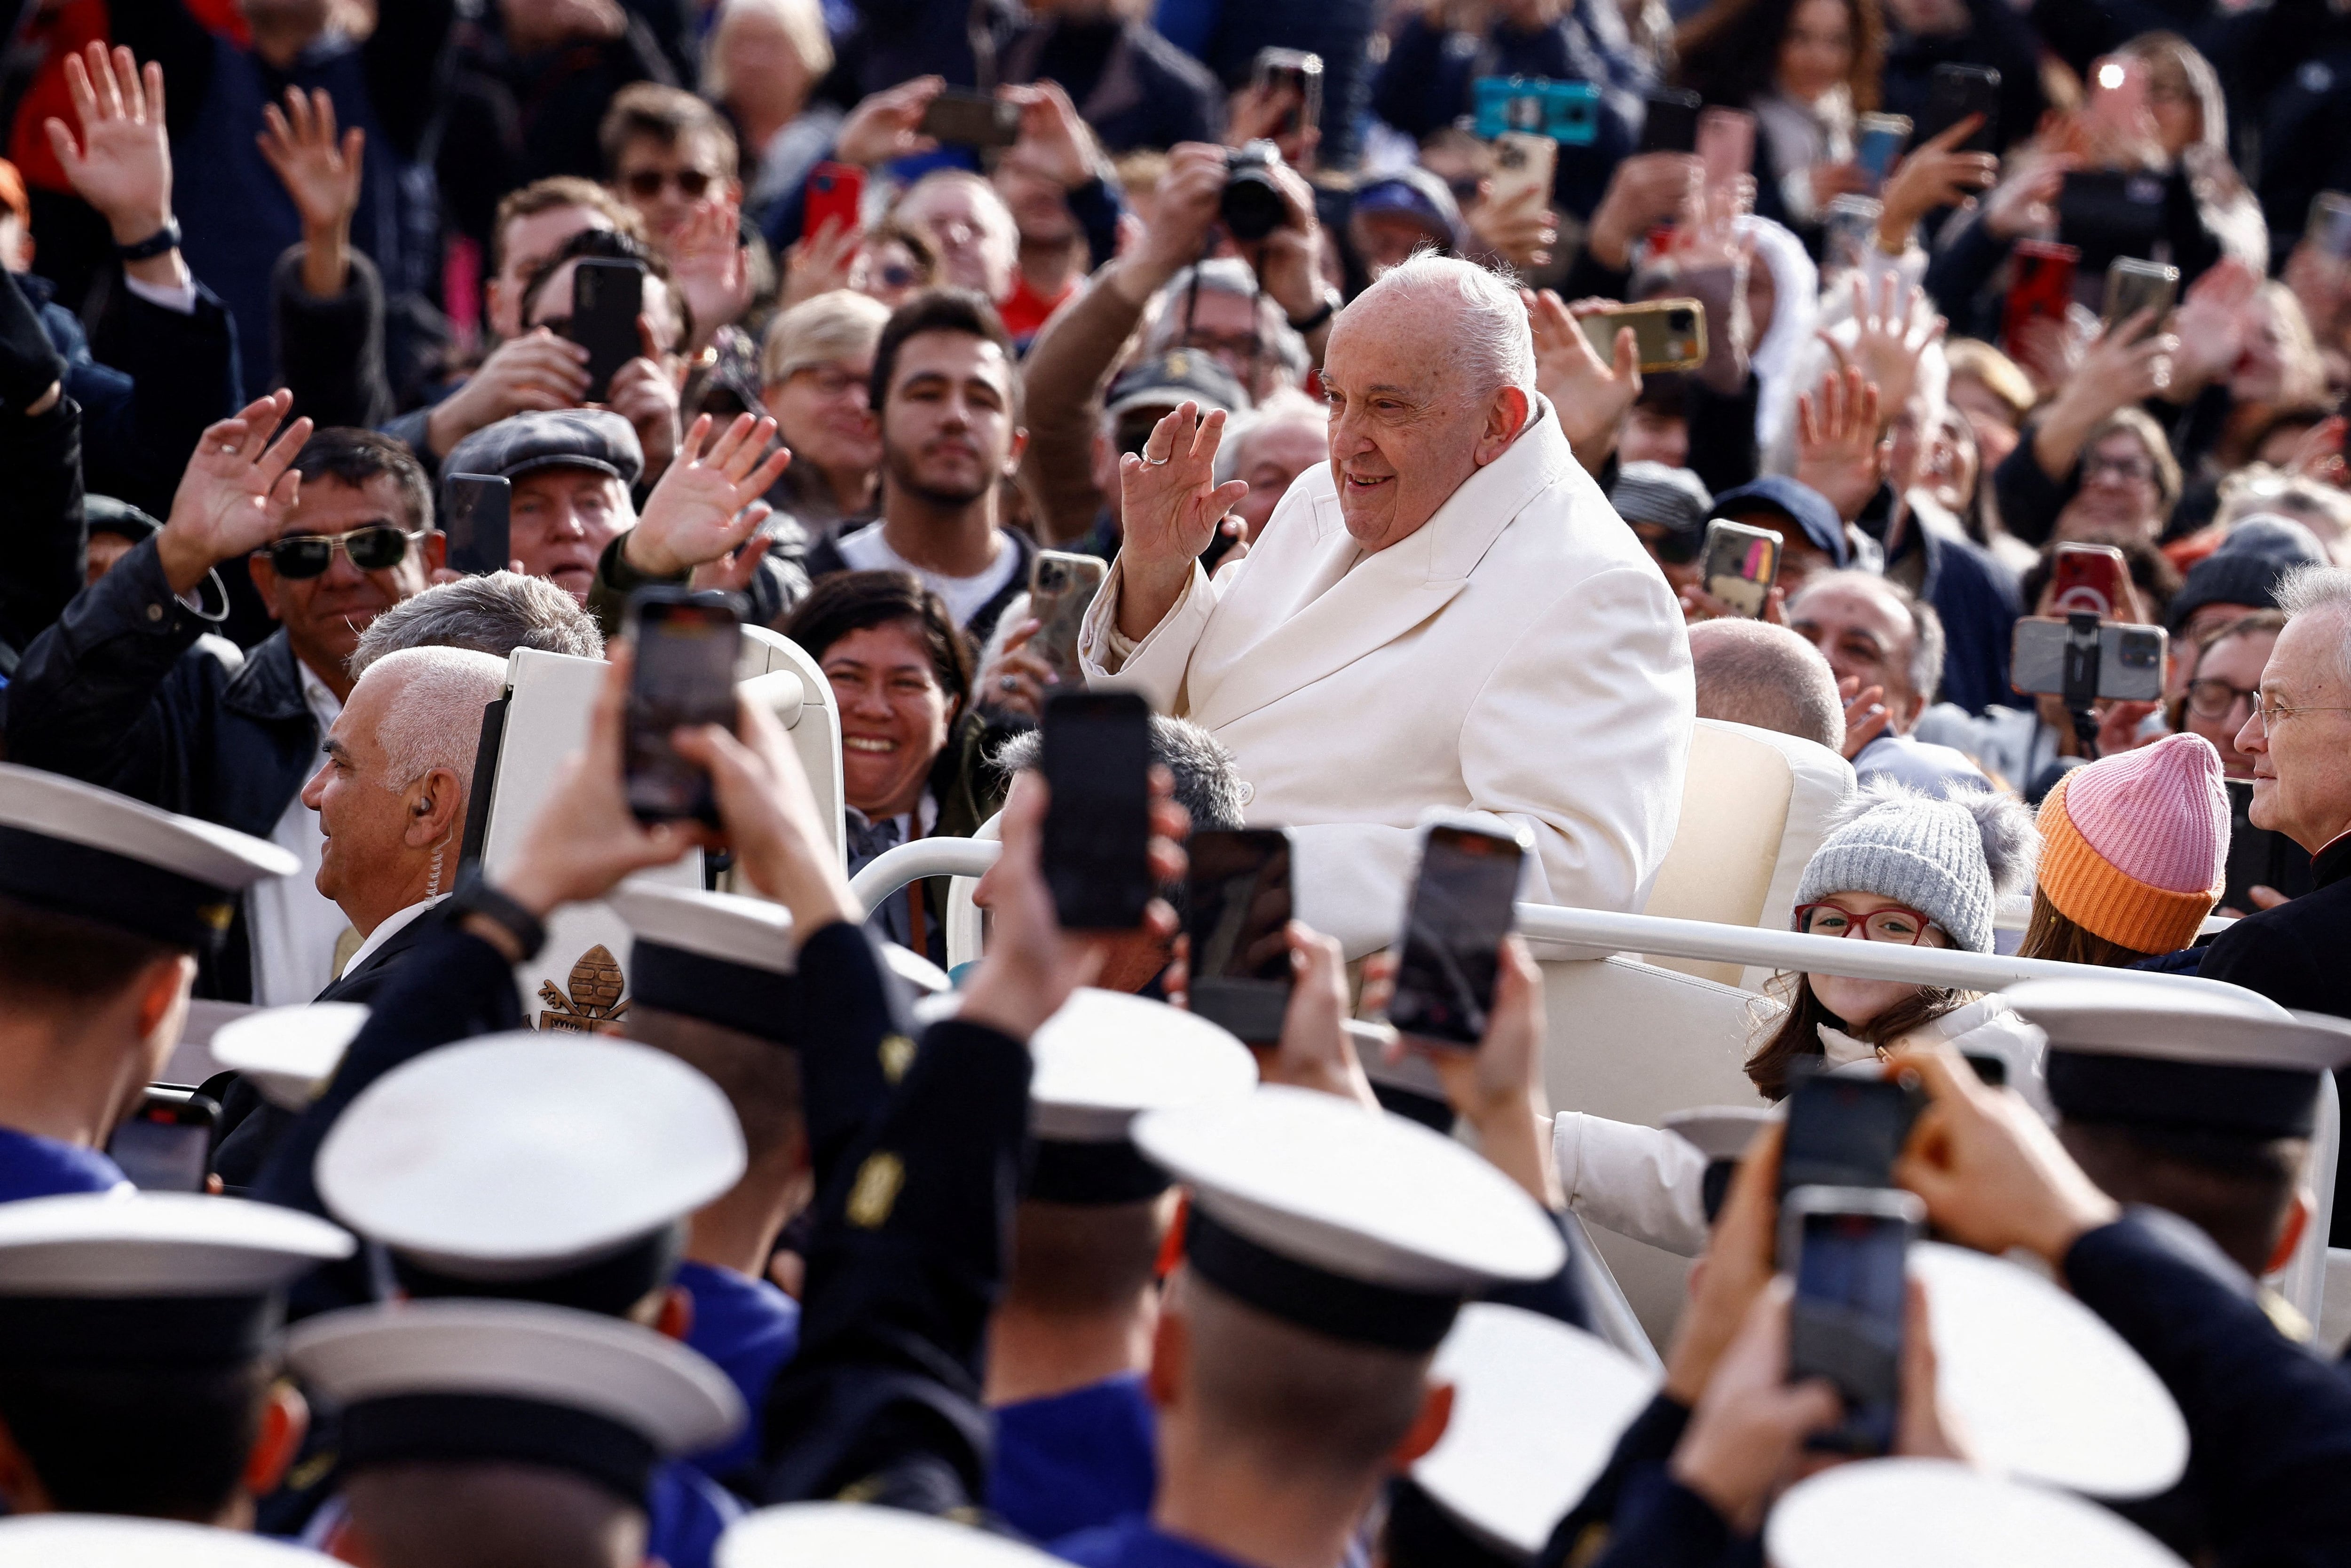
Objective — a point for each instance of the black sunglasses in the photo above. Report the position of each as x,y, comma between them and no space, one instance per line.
1671,546
379,546
646,183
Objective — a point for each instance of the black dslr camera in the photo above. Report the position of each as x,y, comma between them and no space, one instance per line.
1253,205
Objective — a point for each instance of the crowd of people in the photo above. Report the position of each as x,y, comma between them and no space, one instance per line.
1438,412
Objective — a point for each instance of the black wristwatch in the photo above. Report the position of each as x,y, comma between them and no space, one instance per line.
475,896
163,242
1302,325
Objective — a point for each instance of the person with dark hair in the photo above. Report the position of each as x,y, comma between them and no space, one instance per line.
914,743
947,394
334,528
647,390
669,155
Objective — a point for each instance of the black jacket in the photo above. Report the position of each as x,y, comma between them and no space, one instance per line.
120,693
2294,955
42,539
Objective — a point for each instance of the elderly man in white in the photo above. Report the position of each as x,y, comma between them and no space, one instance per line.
1446,614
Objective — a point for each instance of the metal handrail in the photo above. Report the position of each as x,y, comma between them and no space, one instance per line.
1599,932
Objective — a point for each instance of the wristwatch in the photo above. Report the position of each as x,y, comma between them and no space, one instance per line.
475,896
163,242
1302,325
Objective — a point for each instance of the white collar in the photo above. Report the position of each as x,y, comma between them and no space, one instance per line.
1841,1049
318,697
392,925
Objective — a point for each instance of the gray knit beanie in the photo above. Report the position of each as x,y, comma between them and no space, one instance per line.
1949,859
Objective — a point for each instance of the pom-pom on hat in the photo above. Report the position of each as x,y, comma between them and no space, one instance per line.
2135,846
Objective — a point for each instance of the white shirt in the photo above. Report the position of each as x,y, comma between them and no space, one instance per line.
391,927
294,926
966,596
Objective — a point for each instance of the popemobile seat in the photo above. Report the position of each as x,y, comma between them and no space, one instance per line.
810,714
1755,805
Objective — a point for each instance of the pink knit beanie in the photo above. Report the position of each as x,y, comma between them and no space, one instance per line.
2135,846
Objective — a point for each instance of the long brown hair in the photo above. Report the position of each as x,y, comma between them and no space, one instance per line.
2053,934
1798,1035
1730,53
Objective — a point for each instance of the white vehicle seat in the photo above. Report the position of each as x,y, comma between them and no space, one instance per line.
813,721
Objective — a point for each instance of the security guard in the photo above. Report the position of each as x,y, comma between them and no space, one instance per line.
1070,1341
105,906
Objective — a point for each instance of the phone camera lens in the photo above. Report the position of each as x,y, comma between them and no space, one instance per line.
1681,320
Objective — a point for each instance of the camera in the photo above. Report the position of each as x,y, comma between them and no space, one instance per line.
1252,204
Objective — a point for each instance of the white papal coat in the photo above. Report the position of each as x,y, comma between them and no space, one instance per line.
1519,655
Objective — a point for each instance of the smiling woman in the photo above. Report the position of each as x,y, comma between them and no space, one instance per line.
911,741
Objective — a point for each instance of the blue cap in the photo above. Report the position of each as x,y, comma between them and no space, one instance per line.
1415,194
1799,504
561,438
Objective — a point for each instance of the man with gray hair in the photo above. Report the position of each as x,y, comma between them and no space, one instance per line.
2299,736
1750,671
494,614
1450,616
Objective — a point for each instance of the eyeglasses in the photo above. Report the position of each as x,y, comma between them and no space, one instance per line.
2129,470
896,274
1671,546
379,546
2272,710
646,183
831,382
2213,698
1892,923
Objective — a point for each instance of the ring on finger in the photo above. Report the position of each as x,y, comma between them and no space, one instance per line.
1008,683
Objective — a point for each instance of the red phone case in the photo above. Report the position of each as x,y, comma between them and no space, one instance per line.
2043,288
2091,578
835,192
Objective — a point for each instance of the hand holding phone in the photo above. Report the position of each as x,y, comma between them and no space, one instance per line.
1741,563
1061,589
1464,903
607,298
1097,850
835,198
964,118
687,645
1845,1132
1237,904
166,1146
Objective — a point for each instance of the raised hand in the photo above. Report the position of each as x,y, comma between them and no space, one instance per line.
1315,1051
1896,331
535,373
1054,141
2212,321
235,494
318,171
123,163
1838,452
710,267
1590,396
887,124
707,504
1935,173
1170,504
1866,716
817,264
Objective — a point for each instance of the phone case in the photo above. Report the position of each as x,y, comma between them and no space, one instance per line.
836,196
1061,588
972,119
1669,334
607,297
2042,288
2133,285
1740,564
1670,124
2130,660
1957,92
1521,162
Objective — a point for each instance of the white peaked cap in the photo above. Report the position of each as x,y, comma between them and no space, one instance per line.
1933,1513
852,1535
289,1053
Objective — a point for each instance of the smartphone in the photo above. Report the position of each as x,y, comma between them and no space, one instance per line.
1848,1249
2110,213
2041,289
1878,142
2330,224
1671,123
166,1146
964,119
2133,285
1097,760
2130,659
1953,93
1236,907
835,198
474,514
1299,70
607,298
1670,334
1848,230
1741,563
2091,580
687,645
1847,1132
1523,163
1061,590
1725,144
1567,111
1464,903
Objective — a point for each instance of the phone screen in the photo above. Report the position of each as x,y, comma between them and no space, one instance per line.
607,297
1844,1131
166,1145
1845,1322
1097,761
685,652
477,521
1463,905
1236,904
1879,145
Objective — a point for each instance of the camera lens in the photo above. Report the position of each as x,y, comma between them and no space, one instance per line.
1681,320
1252,204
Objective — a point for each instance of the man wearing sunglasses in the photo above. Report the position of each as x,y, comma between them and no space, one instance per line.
668,156
126,690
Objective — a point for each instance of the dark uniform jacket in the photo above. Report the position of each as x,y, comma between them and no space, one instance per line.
120,694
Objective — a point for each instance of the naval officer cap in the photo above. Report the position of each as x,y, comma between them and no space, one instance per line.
149,1279
289,1054
1354,1223
717,957
71,848
854,1535
114,1541
2181,1057
1538,1406
514,1381
1722,1134
1936,1513
1102,1061
556,1168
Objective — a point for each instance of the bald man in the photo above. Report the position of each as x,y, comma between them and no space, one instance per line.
1446,612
